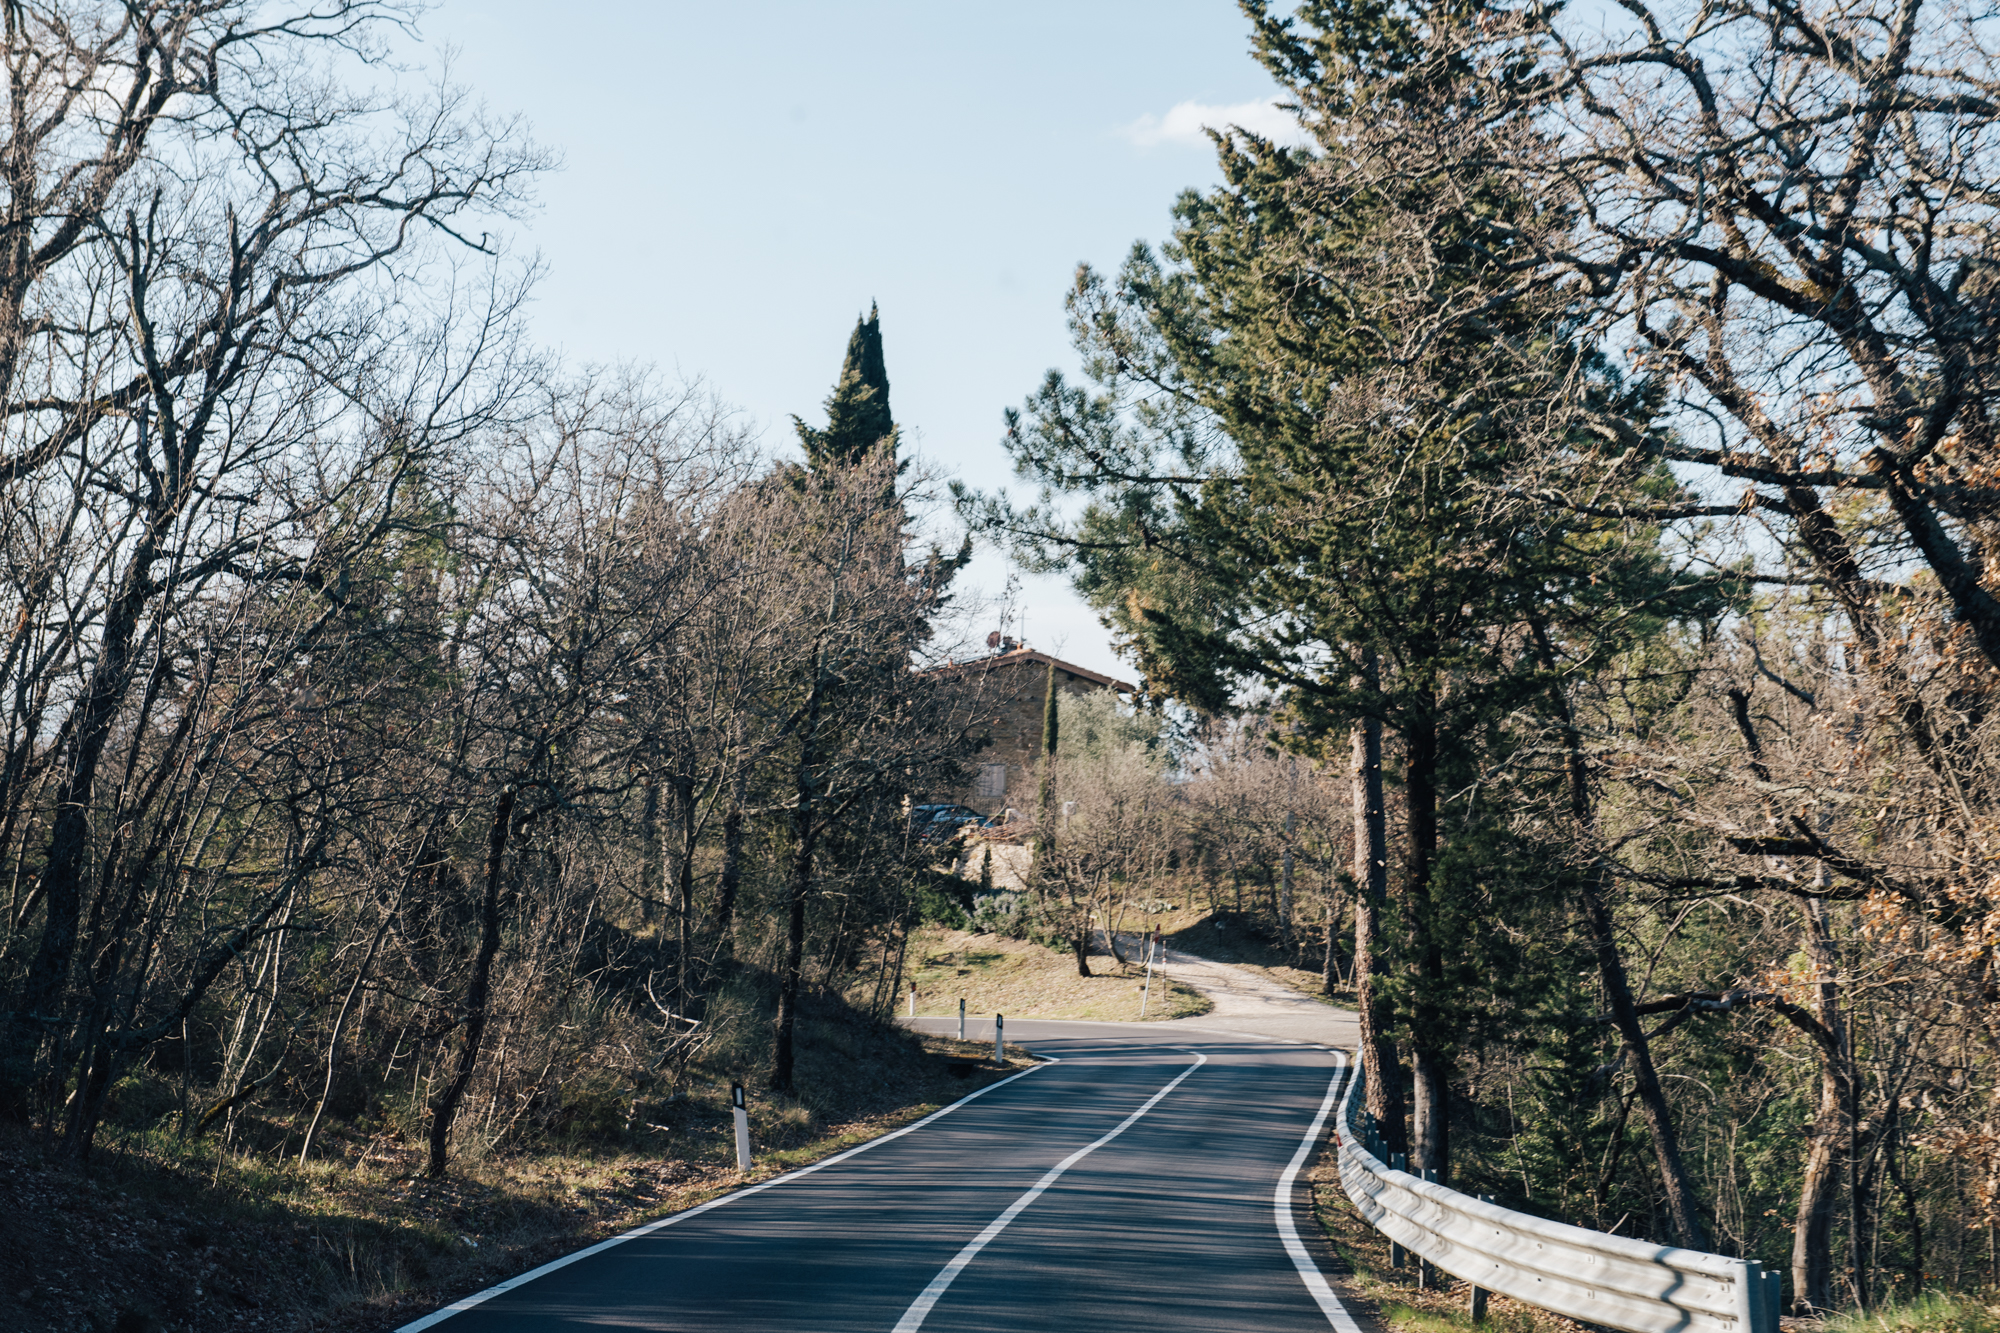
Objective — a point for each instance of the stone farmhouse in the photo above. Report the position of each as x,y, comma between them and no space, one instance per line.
1012,683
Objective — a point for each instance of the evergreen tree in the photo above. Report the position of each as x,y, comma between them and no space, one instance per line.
1297,467
858,420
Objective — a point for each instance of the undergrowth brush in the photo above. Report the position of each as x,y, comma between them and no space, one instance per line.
163,1232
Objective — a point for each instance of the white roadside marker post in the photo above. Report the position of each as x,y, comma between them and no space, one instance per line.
1146,989
1146,994
961,1018
913,999
742,1113
999,1041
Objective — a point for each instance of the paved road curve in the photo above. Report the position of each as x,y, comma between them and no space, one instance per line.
1140,1181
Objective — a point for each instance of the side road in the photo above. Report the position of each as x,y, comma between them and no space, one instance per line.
1247,1002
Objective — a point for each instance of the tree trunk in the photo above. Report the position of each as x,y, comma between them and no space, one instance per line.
39,1010
902,951
477,991
1593,894
797,884
1285,866
1430,1085
1812,1231
1913,1218
1328,966
731,880
1831,1135
649,863
1384,1087
340,1026
1812,1236
684,979
798,880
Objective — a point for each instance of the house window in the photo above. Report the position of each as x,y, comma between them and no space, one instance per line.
992,780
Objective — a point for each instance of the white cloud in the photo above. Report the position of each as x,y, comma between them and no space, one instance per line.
1185,123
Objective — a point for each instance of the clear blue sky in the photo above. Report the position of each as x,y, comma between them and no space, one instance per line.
741,180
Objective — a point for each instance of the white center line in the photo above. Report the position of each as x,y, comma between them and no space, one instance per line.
913,1318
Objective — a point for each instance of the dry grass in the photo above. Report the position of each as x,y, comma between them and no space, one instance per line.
1022,979
1929,1312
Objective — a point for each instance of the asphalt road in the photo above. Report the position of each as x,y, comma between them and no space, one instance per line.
1140,1181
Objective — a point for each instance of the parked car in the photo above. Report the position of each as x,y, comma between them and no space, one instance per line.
921,815
936,823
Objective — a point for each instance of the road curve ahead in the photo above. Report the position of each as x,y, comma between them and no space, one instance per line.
1139,1181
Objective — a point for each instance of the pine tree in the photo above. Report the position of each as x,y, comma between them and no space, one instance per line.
857,414
1286,487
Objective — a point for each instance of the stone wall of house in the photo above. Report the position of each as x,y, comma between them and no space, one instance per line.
1004,771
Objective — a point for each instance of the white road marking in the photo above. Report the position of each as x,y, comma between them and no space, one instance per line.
478,1298
1329,1304
913,1318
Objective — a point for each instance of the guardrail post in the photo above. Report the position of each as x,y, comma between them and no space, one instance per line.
1398,1256
1759,1297
1427,1273
1752,1303
1475,1302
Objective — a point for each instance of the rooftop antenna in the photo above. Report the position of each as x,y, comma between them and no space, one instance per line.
1010,599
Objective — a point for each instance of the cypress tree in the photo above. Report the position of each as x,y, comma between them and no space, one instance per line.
858,420
1051,733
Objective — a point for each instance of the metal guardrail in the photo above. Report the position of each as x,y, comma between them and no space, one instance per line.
1609,1280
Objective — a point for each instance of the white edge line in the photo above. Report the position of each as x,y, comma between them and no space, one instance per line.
913,1318
1329,1304
479,1298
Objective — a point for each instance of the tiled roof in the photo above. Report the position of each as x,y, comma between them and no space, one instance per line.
1030,656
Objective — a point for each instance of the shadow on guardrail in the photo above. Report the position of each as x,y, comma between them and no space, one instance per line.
1610,1280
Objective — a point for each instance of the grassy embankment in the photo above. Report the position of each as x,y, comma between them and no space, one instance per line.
1022,979
158,1235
